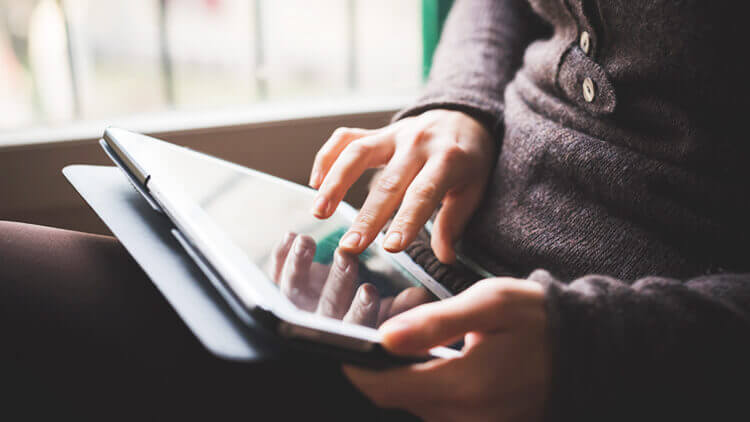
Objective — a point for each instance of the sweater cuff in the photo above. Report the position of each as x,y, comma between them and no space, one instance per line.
582,340
488,113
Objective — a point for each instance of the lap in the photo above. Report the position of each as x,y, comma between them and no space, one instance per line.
85,330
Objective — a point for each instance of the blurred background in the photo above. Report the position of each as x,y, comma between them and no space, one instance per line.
71,60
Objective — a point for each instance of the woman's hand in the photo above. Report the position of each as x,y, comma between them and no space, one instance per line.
503,372
439,156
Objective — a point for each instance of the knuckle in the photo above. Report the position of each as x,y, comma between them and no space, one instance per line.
424,191
496,290
405,220
365,219
332,185
388,184
321,155
498,295
420,137
340,132
374,180
453,155
358,149
413,138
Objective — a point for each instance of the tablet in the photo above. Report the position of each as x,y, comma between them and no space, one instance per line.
256,239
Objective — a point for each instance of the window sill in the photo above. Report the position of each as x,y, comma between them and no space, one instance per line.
260,114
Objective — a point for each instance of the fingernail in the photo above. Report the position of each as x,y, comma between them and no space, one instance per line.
366,294
288,237
351,240
314,180
299,246
393,241
340,261
320,208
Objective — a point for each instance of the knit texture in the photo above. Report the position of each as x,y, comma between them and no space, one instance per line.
645,184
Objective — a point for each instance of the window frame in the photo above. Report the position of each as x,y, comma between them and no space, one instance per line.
434,13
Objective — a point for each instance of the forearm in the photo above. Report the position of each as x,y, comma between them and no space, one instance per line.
656,348
480,49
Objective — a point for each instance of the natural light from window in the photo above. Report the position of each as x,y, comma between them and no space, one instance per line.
63,61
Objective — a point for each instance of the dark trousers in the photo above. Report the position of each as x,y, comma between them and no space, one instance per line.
85,335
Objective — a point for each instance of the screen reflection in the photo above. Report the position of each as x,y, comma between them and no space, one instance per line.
269,219
338,287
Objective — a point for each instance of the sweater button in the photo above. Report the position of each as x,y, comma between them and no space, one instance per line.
589,90
585,42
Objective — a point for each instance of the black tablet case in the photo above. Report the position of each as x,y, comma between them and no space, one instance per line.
147,236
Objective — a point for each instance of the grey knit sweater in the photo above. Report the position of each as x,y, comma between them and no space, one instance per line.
621,179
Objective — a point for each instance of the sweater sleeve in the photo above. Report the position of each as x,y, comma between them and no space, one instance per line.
658,349
480,50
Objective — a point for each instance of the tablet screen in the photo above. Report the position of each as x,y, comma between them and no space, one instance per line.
270,221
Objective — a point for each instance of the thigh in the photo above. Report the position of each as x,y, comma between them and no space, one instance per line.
75,294
85,333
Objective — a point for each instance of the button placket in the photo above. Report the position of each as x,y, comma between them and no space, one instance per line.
585,83
586,41
588,88
579,77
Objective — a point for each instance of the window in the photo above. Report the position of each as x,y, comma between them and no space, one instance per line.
69,60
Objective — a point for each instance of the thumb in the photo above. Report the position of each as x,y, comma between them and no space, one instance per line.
417,330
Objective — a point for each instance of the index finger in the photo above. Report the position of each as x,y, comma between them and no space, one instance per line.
381,202
331,149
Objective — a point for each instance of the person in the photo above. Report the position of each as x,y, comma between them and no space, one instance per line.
585,159
592,154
